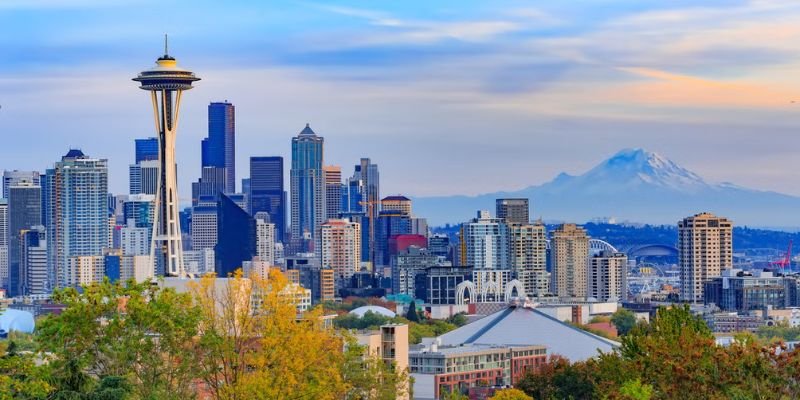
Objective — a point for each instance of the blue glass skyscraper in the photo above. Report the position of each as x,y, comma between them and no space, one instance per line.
307,187
267,192
236,240
146,149
24,212
219,148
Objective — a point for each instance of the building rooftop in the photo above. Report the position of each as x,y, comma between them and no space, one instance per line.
307,131
360,311
524,326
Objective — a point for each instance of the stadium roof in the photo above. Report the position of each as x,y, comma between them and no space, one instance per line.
360,311
528,326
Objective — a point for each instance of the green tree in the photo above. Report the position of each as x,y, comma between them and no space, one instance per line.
141,332
20,378
510,394
624,320
412,314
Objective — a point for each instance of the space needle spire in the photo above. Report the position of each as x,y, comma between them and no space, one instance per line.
166,83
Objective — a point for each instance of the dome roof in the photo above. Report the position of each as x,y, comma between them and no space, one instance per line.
16,320
360,311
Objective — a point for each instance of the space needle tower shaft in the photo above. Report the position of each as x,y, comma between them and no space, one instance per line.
166,83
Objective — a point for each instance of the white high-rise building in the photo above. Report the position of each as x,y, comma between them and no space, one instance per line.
341,249
134,241
484,242
204,227
569,250
265,238
529,257
607,276
137,267
705,248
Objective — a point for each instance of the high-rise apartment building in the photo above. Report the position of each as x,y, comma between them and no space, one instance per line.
219,148
513,211
265,238
529,257
77,215
34,261
83,270
267,192
485,248
569,251
333,191
341,249
607,276
204,224
705,249
307,187
11,178
24,212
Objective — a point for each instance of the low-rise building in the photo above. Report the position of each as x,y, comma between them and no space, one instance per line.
743,291
733,322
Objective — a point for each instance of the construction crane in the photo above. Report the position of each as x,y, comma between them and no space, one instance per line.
785,262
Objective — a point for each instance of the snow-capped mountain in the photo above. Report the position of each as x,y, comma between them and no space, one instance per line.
634,185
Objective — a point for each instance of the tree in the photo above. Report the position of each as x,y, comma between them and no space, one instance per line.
510,394
558,379
624,320
412,315
139,332
20,378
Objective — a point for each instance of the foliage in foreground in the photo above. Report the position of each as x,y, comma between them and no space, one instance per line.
239,340
673,357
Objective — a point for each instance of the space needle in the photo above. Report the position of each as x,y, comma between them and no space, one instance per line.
166,83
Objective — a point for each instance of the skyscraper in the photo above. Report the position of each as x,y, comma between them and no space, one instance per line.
77,215
219,148
236,242
11,178
485,244
529,257
569,251
267,193
166,83
333,191
146,149
34,261
307,188
705,248
341,249
143,177
389,224
398,203
607,276
24,212
3,243
513,211
364,191
265,238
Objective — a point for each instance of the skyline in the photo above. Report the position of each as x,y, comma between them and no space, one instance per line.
539,91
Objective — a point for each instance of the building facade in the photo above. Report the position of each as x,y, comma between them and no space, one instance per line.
569,251
236,241
529,257
513,211
307,188
341,249
744,291
219,148
77,216
705,249
333,191
24,212
607,276
267,192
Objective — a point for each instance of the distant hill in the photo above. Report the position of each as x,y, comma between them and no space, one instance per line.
633,185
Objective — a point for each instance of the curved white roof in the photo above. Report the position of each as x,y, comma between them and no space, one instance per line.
16,320
529,326
360,311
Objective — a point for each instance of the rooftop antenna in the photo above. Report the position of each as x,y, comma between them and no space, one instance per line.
166,53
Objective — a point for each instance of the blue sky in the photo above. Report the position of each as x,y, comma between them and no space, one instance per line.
448,97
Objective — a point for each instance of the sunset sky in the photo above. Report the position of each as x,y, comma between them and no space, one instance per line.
447,97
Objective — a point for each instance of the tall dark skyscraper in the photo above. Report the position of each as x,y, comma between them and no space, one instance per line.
236,240
146,149
219,148
11,178
513,211
24,212
362,194
267,192
307,187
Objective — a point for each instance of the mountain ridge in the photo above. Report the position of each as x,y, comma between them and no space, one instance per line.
633,184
